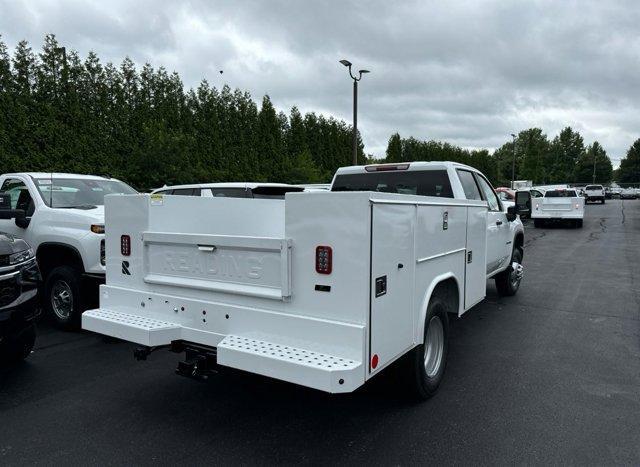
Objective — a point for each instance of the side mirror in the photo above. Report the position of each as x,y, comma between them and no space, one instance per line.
523,203
512,213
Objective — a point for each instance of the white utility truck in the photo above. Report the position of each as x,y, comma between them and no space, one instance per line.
559,204
322,289
594,193
62,217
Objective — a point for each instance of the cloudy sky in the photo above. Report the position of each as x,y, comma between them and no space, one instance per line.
469,72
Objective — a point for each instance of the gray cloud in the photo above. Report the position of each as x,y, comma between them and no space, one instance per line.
470,73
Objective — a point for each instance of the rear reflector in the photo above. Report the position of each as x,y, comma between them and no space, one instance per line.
324,259
125,245
385,167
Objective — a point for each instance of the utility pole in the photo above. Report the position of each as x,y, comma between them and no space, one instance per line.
513,165
348,64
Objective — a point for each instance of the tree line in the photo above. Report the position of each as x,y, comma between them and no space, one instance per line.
61,113
531,155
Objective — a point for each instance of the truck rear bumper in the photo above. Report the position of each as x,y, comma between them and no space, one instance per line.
321,354
557,215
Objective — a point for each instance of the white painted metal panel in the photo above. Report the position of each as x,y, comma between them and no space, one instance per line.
476,257
233,264
393,264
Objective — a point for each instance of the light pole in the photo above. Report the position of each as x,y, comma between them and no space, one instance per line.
513,165
347,63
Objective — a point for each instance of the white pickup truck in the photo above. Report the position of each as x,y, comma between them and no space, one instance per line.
594,193
322,289
554,205
62,217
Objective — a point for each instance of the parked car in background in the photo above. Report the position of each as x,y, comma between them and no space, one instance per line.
19,282
594,193
231,190
629,193
62,217
562,204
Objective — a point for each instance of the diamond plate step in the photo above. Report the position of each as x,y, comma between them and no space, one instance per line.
139,329
297,365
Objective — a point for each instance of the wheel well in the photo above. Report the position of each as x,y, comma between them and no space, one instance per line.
448,290
51,255
518,242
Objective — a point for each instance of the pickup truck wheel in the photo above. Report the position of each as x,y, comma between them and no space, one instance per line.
62,292
537,223
508,281
430,358
579,223
19,348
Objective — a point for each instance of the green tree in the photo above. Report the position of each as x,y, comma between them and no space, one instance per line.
566,149
394,148
534,148
629,171
595,156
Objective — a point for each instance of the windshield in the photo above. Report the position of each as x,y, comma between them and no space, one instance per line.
416,182
560,194
79,193
594,187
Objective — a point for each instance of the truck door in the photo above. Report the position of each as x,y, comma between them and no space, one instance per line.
498,232
392,282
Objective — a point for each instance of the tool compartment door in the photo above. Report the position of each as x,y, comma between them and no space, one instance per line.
475,277
392,282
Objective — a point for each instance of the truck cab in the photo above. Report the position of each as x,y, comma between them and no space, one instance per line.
443,180
62,217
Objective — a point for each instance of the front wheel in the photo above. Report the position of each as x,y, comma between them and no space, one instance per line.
62,292
428,360
579,223
537,223
508,281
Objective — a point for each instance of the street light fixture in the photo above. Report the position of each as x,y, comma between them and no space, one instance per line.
513,166
355,79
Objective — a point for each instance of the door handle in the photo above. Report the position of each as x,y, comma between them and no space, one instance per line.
498,222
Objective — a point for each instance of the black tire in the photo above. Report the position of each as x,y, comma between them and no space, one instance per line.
506,282
18,348
64,279
425,383
579,223
537,223
602,200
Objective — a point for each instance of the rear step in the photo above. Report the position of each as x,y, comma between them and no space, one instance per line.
139,329
293,364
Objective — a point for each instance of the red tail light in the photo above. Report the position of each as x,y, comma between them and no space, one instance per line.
125,245
324,259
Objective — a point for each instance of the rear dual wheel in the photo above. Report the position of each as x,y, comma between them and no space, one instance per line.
429,360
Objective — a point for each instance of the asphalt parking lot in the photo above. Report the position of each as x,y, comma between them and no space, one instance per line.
551,375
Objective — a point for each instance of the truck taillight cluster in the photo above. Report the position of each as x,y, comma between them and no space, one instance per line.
324,259
125,245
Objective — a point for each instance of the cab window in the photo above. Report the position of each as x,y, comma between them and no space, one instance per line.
469,185
489,194
19,195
